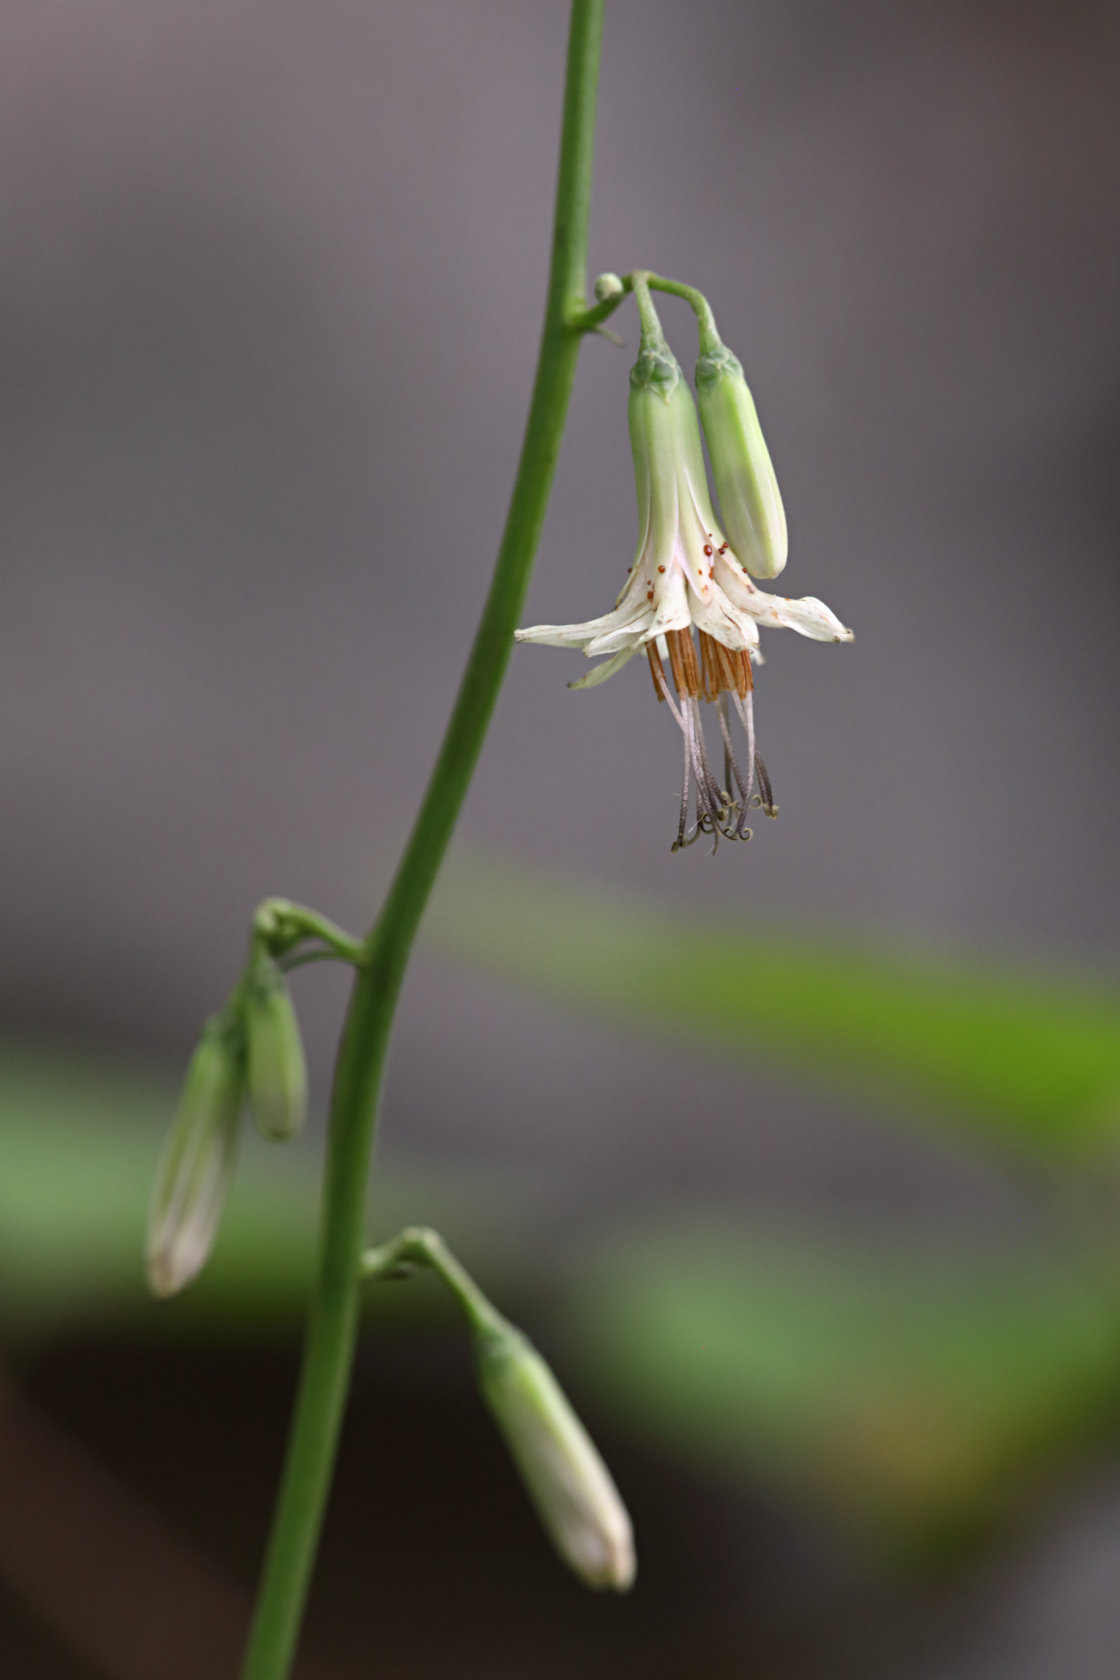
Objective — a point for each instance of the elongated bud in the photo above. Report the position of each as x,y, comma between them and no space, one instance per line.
749,499
197,1162
276,1066
563,1474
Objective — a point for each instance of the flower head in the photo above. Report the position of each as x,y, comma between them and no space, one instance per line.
686,577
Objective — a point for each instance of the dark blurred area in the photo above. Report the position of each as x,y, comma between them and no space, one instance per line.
269,298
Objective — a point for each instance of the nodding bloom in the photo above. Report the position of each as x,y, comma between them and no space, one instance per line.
686,578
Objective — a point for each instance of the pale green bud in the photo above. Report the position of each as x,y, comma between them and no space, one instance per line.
276,1066
563,1474
608,286
749,499
197,1163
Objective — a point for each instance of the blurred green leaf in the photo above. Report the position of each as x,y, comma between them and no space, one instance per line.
79,1141
913,1393
1028,1062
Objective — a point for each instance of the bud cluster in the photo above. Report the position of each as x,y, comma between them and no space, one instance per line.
251,1054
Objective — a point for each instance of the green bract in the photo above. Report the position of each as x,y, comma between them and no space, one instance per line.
749,499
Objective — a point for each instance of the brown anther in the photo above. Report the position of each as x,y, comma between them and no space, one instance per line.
726,670
707,548
682,657
707,664
661,568
656,670
744,672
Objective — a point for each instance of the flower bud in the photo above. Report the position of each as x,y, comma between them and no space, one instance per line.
197,1163
608,286
749,499
276,1066
563,1474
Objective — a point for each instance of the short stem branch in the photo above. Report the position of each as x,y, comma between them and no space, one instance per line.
641,282
283,925
701,308
421,1246
652,333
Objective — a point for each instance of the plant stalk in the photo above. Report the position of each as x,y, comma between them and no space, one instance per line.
335,1304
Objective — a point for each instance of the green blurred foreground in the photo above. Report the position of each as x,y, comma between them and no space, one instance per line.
917,1394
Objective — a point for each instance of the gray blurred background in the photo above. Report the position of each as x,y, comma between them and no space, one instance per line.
270,290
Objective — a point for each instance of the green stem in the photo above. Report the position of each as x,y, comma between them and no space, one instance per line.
641,282
425,1247
333,1321
701,308
650,322
280,924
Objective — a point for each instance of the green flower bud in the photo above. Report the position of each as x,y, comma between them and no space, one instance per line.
197,1164
749,499
563,1474
276,1067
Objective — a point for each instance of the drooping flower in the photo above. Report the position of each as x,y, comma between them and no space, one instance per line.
686,577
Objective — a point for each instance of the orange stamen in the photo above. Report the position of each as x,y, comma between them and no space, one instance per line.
656,670
682,657
726,670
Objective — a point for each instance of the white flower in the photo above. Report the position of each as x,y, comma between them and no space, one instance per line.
685,575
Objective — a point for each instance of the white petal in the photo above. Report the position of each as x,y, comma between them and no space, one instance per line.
734,582
808,616
631,633
726,623
671,605
556,635
627,615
